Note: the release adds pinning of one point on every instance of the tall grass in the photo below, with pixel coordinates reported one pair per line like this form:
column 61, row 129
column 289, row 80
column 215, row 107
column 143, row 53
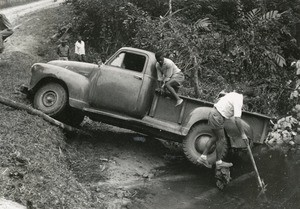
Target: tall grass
column 11, row 3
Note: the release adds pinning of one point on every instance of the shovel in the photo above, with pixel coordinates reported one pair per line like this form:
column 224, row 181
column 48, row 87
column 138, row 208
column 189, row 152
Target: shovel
column 260, row 181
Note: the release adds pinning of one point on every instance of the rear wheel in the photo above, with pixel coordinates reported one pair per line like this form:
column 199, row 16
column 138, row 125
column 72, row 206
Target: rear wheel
column 51, row 99
column 195, row 143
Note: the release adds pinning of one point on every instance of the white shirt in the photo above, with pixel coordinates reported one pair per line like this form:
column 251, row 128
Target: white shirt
column 79, row 48
column 230, row 105
column 167, row 70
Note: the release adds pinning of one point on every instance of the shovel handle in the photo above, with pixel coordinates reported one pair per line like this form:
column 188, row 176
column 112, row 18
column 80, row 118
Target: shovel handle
column 261, row 184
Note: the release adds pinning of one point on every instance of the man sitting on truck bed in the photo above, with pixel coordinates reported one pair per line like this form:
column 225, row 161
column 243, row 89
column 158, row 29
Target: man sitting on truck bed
column 228, row 106
column 169, row 75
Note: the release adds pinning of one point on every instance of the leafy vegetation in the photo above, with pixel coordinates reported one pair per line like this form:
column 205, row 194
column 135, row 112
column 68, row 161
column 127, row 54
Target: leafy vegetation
column 219, row 44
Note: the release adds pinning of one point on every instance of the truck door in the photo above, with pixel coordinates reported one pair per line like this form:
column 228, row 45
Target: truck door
column 119, row 83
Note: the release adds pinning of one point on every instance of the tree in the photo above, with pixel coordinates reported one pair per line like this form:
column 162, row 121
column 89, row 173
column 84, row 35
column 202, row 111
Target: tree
column 219, row 44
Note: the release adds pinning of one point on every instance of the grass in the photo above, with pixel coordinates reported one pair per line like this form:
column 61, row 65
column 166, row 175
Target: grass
column 34, row 167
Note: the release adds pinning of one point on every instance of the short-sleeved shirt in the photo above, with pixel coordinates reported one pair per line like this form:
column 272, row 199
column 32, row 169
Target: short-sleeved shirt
column 63, row 51
column 167, row 70
column 79, row 47
column 230, row 105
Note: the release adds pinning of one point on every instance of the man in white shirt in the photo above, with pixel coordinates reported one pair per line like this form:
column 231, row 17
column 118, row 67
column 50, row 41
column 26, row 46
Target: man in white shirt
column 228, row 106
column 169, row 75
column 80, row 49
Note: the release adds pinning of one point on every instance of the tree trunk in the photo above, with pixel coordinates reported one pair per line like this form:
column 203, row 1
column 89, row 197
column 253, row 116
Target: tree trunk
column 170, row 7
column 196, row 79
column 33, row 111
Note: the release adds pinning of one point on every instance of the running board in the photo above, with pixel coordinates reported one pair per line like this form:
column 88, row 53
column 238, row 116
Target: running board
column 147, row 121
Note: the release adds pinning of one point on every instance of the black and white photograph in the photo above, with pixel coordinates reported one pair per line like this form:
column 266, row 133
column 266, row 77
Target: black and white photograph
column 150, row 104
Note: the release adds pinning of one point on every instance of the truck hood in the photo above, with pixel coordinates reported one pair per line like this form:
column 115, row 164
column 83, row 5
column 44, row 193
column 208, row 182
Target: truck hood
column 82, row 68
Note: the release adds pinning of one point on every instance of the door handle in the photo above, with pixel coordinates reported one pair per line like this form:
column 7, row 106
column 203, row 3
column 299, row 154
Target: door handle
column 138, row 77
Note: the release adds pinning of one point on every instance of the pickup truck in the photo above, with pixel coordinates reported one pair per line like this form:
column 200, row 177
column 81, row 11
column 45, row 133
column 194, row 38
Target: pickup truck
column 122, row 92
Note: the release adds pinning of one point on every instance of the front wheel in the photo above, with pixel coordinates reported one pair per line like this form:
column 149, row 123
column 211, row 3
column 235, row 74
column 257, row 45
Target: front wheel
column 195, row 143
column 51, row 99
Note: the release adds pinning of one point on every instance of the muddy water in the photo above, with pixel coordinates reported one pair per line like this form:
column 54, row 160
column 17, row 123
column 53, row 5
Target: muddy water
column 181, row 185
column 280, row 172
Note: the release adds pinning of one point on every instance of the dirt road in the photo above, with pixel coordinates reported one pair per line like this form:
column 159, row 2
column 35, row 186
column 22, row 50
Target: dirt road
column 14, row 13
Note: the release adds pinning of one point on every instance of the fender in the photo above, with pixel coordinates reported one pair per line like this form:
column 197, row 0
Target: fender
column 197, row 115
column 77, row 84
column 231, row 130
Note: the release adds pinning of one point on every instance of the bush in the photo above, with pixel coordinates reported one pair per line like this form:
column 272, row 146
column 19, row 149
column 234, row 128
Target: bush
column 216, row 48
column 107, row 25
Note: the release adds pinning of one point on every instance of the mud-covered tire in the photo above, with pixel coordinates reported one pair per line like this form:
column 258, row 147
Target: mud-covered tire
column 51, row 99
column 194, row 144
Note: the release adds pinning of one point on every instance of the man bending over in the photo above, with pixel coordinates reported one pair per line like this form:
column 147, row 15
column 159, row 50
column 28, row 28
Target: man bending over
column 228, row 106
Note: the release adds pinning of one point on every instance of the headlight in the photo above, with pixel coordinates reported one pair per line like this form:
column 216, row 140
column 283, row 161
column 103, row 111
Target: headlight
column 35, row 68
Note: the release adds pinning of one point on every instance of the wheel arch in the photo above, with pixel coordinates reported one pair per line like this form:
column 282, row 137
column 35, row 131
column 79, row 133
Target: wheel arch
column 76, row 85
column 194, row 143
column 205, row 121
column 46, row 80
column 197, row 116
column 233, row 136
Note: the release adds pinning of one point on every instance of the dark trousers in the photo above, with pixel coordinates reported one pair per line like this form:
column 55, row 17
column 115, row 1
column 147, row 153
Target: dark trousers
column 80, row 57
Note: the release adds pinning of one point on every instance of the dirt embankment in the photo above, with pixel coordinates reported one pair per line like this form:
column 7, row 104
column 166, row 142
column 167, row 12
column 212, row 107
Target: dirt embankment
column 42, row 167
column 14, row 13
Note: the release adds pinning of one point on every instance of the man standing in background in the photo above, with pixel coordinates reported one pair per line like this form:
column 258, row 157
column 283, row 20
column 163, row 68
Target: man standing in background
column 63, row 51
column 80, row 49
column 6, row 30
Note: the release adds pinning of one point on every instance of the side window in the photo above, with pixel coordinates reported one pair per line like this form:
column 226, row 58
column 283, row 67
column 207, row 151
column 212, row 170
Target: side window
column 130, row 61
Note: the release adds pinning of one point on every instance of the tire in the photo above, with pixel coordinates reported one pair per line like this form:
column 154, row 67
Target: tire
column 194, row 144
column 51, row 99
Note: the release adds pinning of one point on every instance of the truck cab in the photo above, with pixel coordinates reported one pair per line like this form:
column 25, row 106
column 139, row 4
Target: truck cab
column 125, row 84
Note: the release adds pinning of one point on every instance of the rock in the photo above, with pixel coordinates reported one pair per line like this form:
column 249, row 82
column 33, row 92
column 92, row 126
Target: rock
column 286, row 136
column 139, row 139
column 222, row 177
column 292, row 143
